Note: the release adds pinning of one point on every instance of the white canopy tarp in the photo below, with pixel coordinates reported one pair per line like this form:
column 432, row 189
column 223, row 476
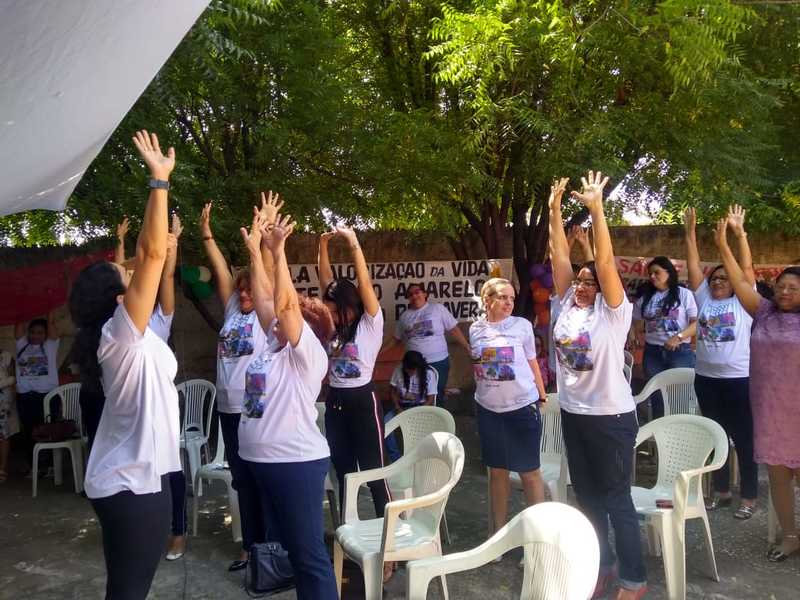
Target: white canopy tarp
column 69, row 72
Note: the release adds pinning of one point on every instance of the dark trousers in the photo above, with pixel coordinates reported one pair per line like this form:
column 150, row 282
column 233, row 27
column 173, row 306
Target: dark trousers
column 600, row 456
column 657, row 359
column 354, row 428
column 727, row 401
column 443, row 371
column 254, row 527
column 30, row 408
column 291, row 497
column 135, row 530
column 177, row 486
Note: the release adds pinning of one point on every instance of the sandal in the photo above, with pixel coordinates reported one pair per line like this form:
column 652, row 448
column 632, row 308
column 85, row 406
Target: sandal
column 777, row 554
column 719, row 502
column 744, row 512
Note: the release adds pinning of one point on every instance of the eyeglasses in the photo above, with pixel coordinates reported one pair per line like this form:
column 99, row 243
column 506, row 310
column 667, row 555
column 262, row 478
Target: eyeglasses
column 718, row 278
column 587, row 283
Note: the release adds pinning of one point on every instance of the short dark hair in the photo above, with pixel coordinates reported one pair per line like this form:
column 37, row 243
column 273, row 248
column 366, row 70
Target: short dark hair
column 413, row 285
column 38, row 323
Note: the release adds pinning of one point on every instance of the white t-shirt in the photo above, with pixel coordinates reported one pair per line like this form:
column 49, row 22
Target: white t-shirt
column 423, row 330
column 137, row 438
column 279, row 417
column 723, row 336
column 659, row 327
column 504, row 379
column 351, row 365
column 590, row 346
column 37, row 367
column 412, row 396
column 160, row 323
column 241, row 339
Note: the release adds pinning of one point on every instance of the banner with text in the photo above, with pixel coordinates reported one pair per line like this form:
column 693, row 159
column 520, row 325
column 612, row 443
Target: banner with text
column 456, row 283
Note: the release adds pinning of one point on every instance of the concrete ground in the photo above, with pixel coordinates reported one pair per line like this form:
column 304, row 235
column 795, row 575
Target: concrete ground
column 50, row 549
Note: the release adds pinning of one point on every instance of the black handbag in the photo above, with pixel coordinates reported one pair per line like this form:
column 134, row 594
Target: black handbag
column 268, row 570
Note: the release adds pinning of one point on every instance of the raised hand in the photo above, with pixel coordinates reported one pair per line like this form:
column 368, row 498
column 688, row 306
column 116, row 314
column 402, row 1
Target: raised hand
column 690, row 220
column 270, row 206
column 582, row 235
column 122, row 229
column 591, row 196
column 160, row 165
column 346, row 233
column 721, row 233
column 177, row 226
column 205, row 220
column 736, row 219
column 172, row 242
column 556, row 192
column 326, row 237
column 275, row 234
column 252, row 239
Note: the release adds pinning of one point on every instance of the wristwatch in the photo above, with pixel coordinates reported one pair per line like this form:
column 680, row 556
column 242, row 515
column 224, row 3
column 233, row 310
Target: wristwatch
column 159, row 184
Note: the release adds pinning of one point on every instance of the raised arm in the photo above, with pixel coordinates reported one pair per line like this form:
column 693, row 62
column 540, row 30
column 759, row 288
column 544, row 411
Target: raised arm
column 559, row 248
column 166, row 289
column 52, row 328
column 692, row 254
column 270, row 207
column 743, row 289
column 263, row 303
column 119, row 251
column 151, row 247
column 582, row 237
column 19, row 330
column 219, row 268
column 324, row 262
column 592, row 198
column 365, row 289
column 736, row 223
column 287, row 305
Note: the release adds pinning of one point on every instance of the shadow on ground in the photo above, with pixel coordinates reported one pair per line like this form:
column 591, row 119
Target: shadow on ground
column 50, row 549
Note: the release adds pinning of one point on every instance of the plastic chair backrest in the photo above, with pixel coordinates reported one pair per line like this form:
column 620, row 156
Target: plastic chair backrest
column 195, row 392
column 219, row 457
column 320, row 416
column 69, row 394
column 561, row 555
column 418, row 422
column 437, row 462
column 677, row 390
column 684, row 442
column 552, row 439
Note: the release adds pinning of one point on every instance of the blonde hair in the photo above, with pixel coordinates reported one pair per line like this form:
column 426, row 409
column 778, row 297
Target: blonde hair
column 491, row 287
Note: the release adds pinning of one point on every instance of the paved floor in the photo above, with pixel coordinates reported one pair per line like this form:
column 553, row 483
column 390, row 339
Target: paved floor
column 50, row 550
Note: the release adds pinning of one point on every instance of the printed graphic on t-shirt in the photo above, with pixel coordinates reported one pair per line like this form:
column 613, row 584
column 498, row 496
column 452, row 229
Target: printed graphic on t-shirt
column 496, row 364
column 33, row 365
column 238, row 340
column 421, row 329
column 254, row 400
column 655, row 320
column 344, row 362
column 719, row 327
column 575, row 352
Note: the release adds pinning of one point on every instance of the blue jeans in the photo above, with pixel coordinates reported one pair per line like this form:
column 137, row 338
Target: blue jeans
column 657, row 359
column 443, row 370
column 291, row 498
column 600, row 457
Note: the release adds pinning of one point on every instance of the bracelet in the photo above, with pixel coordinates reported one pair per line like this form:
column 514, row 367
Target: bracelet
column 208, row 237
column 158, row 184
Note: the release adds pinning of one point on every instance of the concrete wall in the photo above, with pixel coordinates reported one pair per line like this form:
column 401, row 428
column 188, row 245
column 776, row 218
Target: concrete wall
column 195, row 342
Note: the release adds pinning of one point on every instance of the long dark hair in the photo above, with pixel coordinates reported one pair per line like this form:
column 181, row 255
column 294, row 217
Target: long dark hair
column 673, row 298
column 414, row 361
column 92, row 302
column 345, row 296
column 593, row 269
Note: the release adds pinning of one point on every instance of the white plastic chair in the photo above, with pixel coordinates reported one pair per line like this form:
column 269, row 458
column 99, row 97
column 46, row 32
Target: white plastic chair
column 627, row 369
column 69, row 394
column 561, row 560
column 437, row 463
column 218, row 470
column 196, row 426
column 677, row 390
column 416, row 424
column 553, row 458
column 684, row 443
column 330, row 491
